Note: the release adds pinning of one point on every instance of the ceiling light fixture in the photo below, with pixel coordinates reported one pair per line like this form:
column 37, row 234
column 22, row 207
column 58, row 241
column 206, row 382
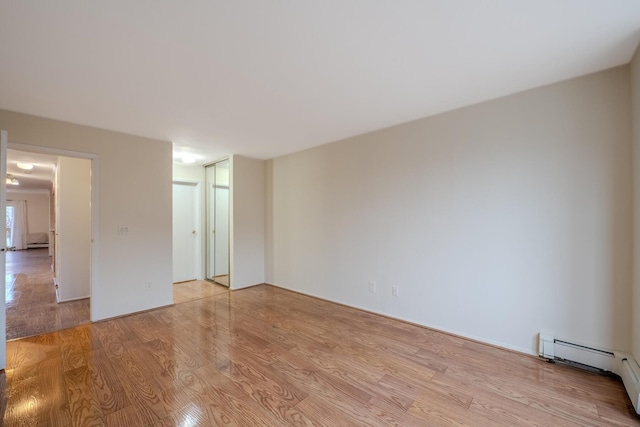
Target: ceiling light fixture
column 10, row 180
column 25, row 166
column 188, row 158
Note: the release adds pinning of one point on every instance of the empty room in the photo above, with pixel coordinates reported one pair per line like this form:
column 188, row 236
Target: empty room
column 336, row 213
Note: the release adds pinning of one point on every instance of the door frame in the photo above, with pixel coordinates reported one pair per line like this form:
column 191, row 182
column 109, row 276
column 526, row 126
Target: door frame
column 95, row 209
column 3, row 257
column 198, row 220
column 207, row 217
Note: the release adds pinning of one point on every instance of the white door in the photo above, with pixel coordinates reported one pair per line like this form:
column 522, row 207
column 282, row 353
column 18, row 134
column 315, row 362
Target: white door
column 186, row 238
column 217, row 178
column 221, row 261
column 3, row 250
column 211, row 224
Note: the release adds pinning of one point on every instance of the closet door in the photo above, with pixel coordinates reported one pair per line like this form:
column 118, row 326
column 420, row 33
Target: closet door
column 221, row 270
column 217, row 178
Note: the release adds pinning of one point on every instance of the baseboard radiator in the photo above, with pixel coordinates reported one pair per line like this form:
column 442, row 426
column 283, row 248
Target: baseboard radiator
column 622, row 364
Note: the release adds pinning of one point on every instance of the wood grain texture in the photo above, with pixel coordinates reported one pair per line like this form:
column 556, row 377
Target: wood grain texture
column 264, row 356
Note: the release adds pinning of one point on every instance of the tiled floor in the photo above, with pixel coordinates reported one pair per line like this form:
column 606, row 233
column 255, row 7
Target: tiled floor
column 31, row 299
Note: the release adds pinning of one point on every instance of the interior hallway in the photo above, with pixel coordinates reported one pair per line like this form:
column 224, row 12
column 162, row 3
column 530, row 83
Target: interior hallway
column 31, row 298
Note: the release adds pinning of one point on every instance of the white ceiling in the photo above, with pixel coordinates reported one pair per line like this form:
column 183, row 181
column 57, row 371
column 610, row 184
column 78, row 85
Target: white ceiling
column 266, row 78
column 40, row 177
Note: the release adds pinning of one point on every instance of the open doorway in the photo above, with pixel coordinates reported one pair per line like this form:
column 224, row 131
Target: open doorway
column 38, row 298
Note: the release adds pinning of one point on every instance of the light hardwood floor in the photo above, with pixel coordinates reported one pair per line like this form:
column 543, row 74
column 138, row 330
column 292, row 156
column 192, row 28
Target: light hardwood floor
column 195, row 289
column 266, row 356
column 31, row 297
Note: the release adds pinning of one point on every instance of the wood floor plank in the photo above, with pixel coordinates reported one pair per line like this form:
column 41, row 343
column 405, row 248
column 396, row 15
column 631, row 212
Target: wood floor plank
column 125, row 417
column 4, row 395
column 75, row 345
column 316, row 383
column 228, row 404
column 491, row 396
column 142, row 391
column 27, row 353
column 617, row 415
column 396, row 392
column 195, row 289
column 271, row 333
column 515, row 414
column 577, row 410
column 54, row 407
column 83, row 402
column 266, row 356
column 146, row 326
column 344, row 368
column 437, row 408
column 105, row 383
column 172, row 358
column 171, row 317
column 23, row 401
column 268, row 391
column 184, row 408
column 112, row 333
column 335, row 413
column 209, row 346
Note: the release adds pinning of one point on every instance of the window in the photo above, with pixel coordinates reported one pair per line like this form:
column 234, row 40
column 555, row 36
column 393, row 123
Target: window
column 9, row 226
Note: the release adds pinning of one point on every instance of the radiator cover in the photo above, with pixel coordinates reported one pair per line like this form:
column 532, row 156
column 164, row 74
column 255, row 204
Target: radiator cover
column 619, row 363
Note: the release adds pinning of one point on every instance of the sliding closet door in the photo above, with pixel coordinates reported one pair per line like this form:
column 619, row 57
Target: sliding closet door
column 217, row 176
column 222, row 222
column 210, row 172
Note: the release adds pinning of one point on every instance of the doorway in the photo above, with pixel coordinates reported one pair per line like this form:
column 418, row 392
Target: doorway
column 217, row 218
column 42, row 289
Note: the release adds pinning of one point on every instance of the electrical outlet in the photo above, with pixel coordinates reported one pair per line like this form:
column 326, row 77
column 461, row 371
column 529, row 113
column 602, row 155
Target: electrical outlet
column 148, row 286
column 372, row 287
column 395, row 291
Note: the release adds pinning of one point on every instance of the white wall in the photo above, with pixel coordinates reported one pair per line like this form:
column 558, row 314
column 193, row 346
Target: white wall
column 635, row 123
column 247, row 222
column 73, row 228
column 38, row 208
column 191, row 173
column 497, row 221
column 133, row 176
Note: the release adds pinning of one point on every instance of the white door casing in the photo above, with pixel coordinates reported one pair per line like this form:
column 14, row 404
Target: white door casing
column 186, row 231
column 3, row 253
column 217, row 214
